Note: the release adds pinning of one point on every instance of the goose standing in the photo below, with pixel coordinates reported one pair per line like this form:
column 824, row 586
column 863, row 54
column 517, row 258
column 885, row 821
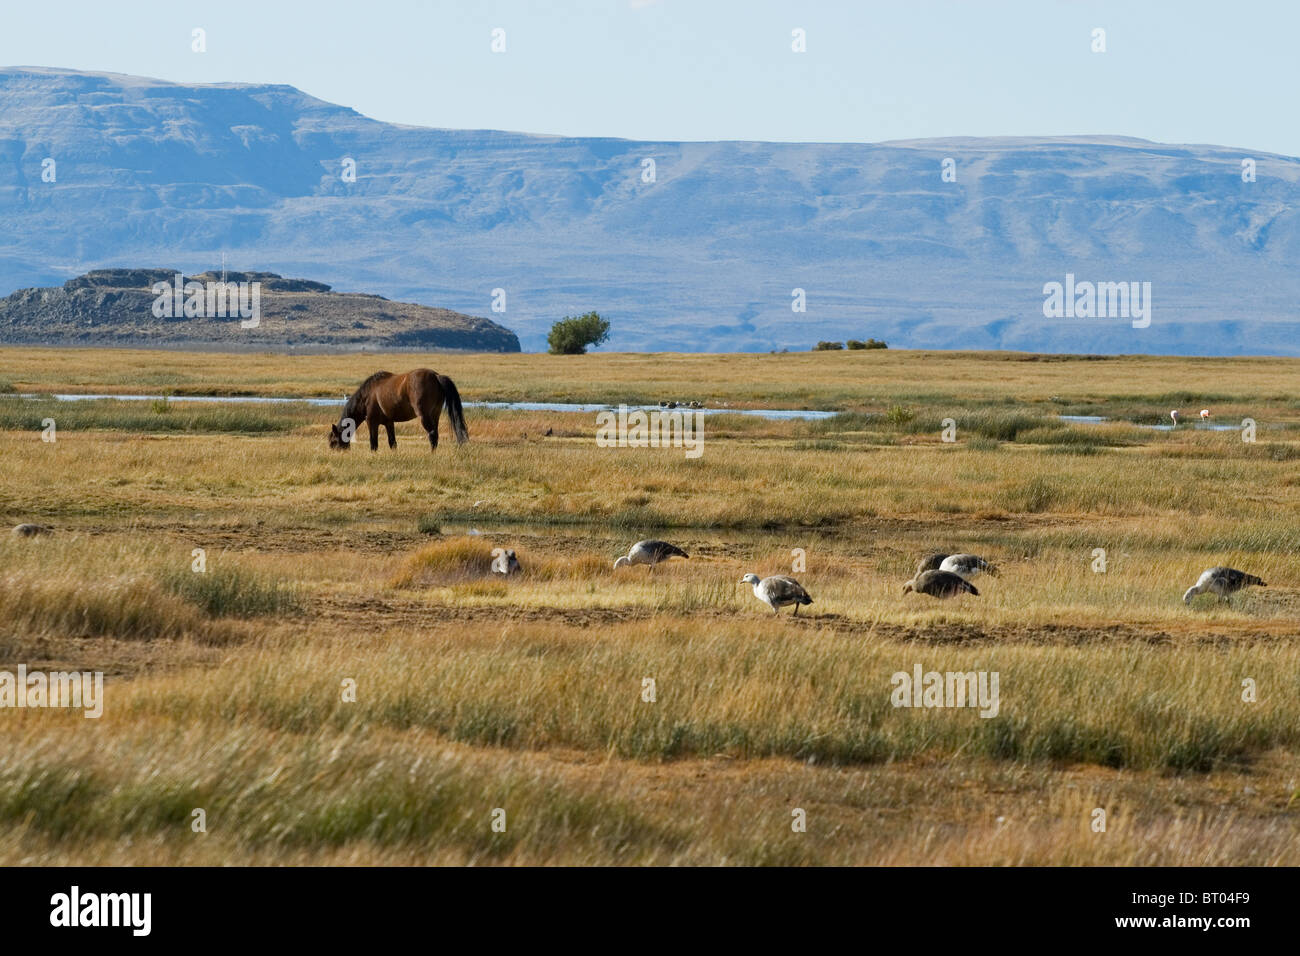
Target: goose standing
column 940, row 584
column 650, row 552
column 1221, row 581
column 967, row 566
column 504, row 561
column 778, row 591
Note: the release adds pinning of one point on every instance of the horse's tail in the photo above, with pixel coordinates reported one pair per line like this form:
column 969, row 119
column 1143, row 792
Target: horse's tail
column 455, row 411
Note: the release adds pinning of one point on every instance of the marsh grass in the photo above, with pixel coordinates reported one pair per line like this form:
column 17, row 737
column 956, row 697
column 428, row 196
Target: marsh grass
column 82, row 587
column 1132, row 706
column 475, row 692
column 232, row 591
column 160, row 415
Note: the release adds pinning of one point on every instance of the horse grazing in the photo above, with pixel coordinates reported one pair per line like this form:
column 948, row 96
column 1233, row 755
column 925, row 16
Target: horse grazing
column 385, row 398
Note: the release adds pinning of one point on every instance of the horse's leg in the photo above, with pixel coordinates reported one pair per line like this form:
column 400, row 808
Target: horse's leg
column 392, row 436
column 429, row 422
column 373, row 426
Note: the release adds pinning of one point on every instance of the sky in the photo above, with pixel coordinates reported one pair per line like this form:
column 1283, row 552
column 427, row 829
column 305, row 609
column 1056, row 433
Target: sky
column 1178, row 71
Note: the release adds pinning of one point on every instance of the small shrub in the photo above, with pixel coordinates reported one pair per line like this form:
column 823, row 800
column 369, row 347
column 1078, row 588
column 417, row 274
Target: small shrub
column 573, row 335
column 898, row 415
column 828, row 346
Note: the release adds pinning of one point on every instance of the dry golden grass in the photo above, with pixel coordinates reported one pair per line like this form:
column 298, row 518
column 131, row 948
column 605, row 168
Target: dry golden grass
column 475, row 692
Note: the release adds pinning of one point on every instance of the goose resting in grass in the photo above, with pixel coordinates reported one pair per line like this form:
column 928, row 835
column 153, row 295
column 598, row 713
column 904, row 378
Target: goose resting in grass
column 31, row 530
column 931, row 562
column 650, row 552
column 967, row 565
column 1221, row 581
column 778, row 591
column 504, row 561
column 940, row 584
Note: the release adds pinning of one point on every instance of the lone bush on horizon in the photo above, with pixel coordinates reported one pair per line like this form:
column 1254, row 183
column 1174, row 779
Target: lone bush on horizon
column 573, row 335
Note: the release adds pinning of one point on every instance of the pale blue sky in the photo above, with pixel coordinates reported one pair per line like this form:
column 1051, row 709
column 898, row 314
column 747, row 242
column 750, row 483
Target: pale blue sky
column 1188, row 72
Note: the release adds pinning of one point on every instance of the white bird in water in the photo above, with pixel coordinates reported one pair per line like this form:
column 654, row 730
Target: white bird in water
column 967, row 565
column 1205, row 414
column 1221, row 581
column 650, row 552
column 1174, row 416
column 504, row 561
column 940, row 584
column 778, row 591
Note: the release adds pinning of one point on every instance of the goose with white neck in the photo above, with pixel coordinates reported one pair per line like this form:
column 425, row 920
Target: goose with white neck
column 777, row 591
column 650, row 552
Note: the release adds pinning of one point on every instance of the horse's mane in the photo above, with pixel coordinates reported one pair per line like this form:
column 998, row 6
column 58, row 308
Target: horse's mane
column 353, row 405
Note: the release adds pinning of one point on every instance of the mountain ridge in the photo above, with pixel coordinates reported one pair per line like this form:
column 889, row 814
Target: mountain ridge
column 705, row 258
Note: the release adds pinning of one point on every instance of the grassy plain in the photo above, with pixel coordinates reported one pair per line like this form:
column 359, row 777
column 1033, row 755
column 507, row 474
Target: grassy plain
column 224, row 689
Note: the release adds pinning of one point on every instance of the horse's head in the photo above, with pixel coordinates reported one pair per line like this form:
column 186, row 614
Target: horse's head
column 336, row 439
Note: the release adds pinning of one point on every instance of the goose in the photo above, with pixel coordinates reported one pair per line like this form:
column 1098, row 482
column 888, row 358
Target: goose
column 967, row 565
column 31, row 530
column 1174, row 416
column 778, row 591
column 931, row 562
column 504, row 561
column 1221, row 581
column 940, row 584
column 650, row 552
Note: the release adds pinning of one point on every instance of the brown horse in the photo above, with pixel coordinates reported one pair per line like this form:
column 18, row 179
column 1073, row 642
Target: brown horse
column 385, row 398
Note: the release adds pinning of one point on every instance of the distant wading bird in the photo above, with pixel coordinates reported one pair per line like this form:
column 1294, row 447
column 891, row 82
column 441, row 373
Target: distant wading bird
column 385, row 398
column 1221, row 581
column 967, row 565
column 1174, row 416
column 778, row 591
column 940, row 584
column 650, row 552
column 1205, row 414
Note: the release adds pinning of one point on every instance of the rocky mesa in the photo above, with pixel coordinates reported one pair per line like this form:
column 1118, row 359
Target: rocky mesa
column 159, row 307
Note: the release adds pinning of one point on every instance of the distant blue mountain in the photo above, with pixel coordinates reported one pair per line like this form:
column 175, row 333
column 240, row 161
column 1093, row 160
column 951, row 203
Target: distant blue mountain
column 704, row 258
